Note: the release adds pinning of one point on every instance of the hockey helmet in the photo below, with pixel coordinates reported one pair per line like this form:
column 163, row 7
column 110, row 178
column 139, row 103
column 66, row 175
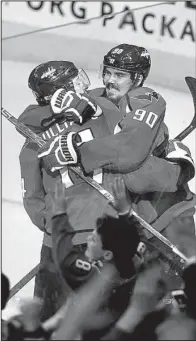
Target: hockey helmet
column 130, row 58
column 47, row 77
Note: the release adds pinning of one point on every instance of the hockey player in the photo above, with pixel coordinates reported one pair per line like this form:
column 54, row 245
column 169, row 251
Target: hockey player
column 44, row 80
column 136, row 127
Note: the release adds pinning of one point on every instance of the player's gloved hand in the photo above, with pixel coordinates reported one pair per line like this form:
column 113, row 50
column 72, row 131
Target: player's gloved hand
column 62, row 151
column 180, row 154
column 177, row 151
column 75, row 107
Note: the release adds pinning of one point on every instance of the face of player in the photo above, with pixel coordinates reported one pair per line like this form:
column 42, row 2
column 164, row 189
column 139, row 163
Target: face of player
column 117, row 83
column 94, row 250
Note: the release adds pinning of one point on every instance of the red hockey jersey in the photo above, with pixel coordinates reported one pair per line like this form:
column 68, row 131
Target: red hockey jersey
column 134, row 131
column 118, row 140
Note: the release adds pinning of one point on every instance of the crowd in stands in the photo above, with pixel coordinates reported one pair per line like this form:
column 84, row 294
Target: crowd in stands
column 148, row 316
column 152, row 312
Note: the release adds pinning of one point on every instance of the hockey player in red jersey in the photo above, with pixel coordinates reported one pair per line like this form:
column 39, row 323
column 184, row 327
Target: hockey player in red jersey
column 137, row 132
column 44, row 80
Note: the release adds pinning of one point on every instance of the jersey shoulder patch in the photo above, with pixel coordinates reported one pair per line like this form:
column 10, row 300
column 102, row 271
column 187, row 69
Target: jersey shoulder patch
column 143, row 96
column 33, row 115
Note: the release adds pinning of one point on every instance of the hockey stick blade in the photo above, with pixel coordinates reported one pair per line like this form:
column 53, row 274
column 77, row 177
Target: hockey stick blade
column 191, row 82
column 35, row 138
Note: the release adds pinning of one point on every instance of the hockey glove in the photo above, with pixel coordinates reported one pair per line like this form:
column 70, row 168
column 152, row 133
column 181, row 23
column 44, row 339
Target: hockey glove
column 61, row 152
column 180, row 154
column 76, row 107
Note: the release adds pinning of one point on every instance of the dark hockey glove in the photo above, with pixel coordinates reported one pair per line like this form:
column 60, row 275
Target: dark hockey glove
column 61, row 152
column 180, row 154
column 75, row 107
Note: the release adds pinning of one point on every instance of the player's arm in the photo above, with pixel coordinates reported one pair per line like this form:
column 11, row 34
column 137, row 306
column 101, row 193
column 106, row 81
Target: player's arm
column 69, row 259
column 122, row 152
column 155, row 175
column 130, row 147
column 160, row 174
column 32, row 185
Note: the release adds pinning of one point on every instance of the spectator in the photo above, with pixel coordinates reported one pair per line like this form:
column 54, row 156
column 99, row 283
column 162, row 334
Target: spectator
column 26, row 324
column 189, row 277
column 114, row 241
column 87, row 301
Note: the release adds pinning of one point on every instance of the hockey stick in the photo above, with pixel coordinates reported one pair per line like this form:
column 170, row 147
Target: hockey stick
column 191, row 82
column 35, row 138
column 27, row 278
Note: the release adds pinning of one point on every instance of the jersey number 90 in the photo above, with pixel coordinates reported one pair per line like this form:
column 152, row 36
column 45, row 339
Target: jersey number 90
column 149, row 118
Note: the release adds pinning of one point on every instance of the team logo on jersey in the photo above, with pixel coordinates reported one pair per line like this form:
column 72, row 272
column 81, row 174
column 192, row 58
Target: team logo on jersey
column 148, row 96
column 155, row 95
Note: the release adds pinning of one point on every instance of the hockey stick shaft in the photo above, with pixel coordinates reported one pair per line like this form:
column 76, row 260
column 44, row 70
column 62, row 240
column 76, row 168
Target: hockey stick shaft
column 35, row 138
column 26, row 279
column 30, row 275
column 191, row 83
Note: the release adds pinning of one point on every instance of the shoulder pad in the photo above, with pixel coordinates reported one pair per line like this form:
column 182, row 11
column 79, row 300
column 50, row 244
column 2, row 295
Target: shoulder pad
column 144, row 96
column 33, row 115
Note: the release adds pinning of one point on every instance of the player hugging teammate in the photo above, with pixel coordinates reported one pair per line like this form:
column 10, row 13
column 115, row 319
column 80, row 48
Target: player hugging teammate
column 116, row 129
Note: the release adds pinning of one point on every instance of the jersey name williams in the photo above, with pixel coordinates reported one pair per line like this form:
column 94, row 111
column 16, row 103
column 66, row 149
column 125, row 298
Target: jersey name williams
column 55, row 130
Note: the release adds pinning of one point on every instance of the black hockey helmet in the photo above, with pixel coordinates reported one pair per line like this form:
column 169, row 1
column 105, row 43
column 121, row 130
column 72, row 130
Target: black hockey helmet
column 47, row 77
column 129, row 58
